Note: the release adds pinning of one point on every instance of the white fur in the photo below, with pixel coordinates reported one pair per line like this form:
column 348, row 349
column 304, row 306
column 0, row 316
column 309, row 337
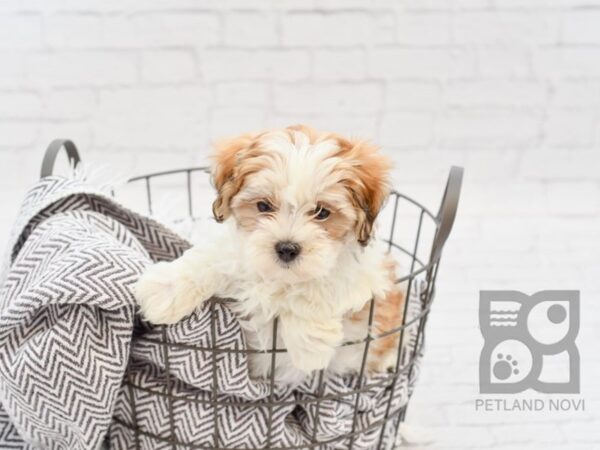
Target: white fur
column 312, row 297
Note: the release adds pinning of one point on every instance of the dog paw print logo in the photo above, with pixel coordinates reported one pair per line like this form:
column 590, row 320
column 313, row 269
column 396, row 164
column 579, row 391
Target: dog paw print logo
column 529, row 342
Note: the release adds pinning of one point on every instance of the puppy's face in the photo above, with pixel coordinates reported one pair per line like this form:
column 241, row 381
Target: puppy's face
column 299, row 197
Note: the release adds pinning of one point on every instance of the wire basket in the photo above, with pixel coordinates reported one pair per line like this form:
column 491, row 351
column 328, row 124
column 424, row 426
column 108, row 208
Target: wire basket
column 416, row 238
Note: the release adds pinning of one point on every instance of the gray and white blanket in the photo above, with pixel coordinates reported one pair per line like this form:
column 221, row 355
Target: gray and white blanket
column 76, row 371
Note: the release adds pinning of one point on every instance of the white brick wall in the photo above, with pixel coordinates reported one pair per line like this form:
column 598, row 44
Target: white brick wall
column 510, row 89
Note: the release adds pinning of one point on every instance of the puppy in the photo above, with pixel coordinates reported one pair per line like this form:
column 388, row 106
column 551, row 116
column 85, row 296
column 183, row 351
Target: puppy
column 298, row 209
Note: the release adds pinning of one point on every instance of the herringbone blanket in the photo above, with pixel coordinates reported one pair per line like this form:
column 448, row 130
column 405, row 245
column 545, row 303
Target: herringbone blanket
column 75, row 370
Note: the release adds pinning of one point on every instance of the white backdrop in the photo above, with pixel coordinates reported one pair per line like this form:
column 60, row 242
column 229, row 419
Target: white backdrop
column 509, row 89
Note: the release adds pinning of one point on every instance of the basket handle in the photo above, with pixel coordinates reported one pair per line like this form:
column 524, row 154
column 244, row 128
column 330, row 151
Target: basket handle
column 447, row 211
column 52, row 153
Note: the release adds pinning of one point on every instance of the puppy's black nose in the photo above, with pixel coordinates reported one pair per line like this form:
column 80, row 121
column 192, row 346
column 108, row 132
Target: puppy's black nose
column 287, row 251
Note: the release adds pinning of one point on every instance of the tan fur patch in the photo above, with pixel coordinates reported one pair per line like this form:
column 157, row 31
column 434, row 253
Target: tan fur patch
column 367, row 181
column 234, row 160
column 337, row 226
column 387, row 316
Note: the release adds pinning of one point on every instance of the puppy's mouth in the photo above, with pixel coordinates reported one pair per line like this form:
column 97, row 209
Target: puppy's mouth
column 286, row 265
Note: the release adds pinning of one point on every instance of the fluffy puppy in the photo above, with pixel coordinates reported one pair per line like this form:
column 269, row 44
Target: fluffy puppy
column 298, row 209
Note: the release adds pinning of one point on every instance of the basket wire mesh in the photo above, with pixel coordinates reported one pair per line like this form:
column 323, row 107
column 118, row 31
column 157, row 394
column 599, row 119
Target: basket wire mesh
column 422, row 259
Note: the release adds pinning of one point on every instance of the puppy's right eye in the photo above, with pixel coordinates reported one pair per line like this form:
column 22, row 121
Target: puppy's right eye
column 263, row 206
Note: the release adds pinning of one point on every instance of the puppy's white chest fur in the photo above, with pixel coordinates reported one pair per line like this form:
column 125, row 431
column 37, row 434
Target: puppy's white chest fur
column 313, row 316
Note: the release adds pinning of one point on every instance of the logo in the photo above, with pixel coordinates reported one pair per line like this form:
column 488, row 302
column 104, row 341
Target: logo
column 529, row 342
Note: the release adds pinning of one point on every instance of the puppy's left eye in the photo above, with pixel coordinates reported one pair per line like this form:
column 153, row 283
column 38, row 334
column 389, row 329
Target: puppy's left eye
column 263, row 206
column 322, row 213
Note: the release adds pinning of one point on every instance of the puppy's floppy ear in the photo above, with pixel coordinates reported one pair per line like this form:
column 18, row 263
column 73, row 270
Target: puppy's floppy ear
column 227, row 173
column 368, row 183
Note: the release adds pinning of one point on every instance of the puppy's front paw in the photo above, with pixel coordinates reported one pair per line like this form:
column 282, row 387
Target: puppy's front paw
column 166, row 294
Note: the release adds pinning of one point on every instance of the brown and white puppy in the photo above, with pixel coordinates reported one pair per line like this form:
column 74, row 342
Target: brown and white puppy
column 298, row 209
